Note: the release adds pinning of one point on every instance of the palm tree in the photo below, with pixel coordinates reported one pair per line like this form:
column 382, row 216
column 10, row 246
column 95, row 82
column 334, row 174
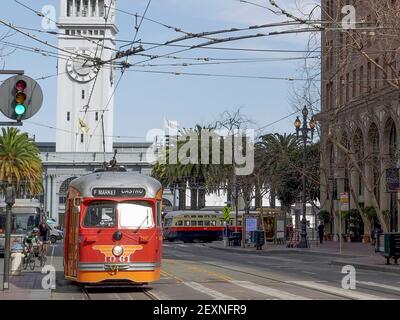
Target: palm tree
column 280, row 153
column 20, row 164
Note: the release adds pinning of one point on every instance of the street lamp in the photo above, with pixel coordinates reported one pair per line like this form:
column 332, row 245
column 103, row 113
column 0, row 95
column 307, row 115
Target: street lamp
column 304, row 130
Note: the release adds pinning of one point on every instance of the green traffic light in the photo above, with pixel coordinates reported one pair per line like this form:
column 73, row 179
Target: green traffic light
column 20, row 109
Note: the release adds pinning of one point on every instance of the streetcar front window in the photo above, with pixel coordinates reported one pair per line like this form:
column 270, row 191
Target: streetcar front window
column 100, row 214
column 135, row 215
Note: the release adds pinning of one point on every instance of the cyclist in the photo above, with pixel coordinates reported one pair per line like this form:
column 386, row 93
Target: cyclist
column 44, row 231
column 32, row 240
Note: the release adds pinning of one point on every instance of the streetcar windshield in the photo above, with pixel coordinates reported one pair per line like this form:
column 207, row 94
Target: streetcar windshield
column 100, row 214
column 135, row 215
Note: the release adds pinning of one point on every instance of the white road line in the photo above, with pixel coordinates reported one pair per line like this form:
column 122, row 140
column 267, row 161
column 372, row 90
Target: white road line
column 215, row 294
column 373, row 284
column 52, row 255
column 338, row 291
column 268, row 291
column 308, row 272
column 158, row 295
column 182, row 245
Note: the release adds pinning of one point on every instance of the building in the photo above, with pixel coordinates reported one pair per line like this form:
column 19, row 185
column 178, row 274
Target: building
column 360, row 118
column 85, row 97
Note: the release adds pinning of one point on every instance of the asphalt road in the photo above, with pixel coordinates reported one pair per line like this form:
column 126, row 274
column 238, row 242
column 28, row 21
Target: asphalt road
column 196, row 271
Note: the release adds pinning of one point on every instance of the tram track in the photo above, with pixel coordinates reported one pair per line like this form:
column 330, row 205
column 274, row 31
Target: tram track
column 99, row 292
column 297, row 285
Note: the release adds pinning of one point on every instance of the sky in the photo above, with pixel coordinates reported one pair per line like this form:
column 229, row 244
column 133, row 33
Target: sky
column 144, row 100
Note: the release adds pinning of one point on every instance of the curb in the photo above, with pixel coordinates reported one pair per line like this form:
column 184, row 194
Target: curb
column 286, row 251
column 381, row 268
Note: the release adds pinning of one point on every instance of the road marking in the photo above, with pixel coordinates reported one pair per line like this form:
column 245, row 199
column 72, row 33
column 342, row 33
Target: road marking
column 268, row 291
column 52, row 255
column 163, row 272
column 182, row 245
column 158, row 295
column 215, row 294
column 373, row 284
column 308, row 272
column 338, row 291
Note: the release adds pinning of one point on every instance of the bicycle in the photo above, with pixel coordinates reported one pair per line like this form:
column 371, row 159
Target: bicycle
column 42, row 255
column 29, row 258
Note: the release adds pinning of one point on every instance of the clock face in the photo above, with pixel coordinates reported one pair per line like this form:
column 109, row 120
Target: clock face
column 81, row 67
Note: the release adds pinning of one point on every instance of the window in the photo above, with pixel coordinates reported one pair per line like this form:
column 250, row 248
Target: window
column 159, row 214
column 72, row 32
column 200, row 223
column 90, row 32
column 369, row 71
column 362, row 80
column 68, row 116
column 168, row 222
column 207, row 223
column 85, row 9
column 67, row 32
column 96, row 32
column 83, row 94
column 100, row 214
column 79, row 32
column 354, row 93
column 135, row 215
column 377, row 74
column 186, row 223
column 93, row 8
column 347, row 87
column 102, row 32
column 213, row 223
column 101, row 8
column 179, row 223
column 81, row 137
column 193, row 223
column 97, row 116
column 69, row 8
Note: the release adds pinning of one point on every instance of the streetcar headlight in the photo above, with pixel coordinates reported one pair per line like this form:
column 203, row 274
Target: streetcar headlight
column 117, row 251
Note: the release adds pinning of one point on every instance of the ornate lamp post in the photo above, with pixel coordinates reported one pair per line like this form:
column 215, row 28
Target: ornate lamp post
column 304, row 130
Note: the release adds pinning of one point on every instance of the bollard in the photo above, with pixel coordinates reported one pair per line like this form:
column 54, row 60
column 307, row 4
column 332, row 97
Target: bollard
column 16, row 263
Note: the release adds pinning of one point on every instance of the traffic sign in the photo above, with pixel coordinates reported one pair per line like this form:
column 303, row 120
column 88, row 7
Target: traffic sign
column 21, row 97
column 344, row 201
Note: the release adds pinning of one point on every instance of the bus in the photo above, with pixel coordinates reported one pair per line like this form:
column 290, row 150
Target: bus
column 25, row 215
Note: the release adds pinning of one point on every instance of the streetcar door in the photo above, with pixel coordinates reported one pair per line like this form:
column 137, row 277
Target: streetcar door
column 72, row 243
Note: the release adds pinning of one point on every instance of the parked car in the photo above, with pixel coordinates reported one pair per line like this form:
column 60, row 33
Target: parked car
column 55, row 234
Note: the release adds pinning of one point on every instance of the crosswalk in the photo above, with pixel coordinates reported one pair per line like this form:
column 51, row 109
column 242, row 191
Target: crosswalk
column 289, row 290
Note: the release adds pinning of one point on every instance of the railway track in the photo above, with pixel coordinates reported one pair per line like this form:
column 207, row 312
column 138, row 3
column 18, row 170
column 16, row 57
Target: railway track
column 120, row 292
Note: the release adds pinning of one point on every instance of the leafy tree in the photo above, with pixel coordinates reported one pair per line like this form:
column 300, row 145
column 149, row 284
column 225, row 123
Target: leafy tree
column 20, row 164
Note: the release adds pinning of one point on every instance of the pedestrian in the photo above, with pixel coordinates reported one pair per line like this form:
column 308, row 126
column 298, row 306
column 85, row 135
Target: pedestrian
column 321, row 228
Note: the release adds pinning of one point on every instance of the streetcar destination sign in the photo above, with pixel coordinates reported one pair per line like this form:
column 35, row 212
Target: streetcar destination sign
column 119, row 192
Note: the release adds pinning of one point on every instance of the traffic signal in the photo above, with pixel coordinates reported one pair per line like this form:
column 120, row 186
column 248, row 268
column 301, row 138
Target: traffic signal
column 20, row 99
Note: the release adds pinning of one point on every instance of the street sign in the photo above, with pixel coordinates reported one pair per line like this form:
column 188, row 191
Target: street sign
column 344, row 201
column 21, row 97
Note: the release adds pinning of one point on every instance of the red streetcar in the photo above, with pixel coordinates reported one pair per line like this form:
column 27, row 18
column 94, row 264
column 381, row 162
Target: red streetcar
column 113, row 228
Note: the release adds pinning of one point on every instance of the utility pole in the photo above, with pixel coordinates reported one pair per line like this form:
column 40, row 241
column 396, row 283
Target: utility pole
column 10, row 200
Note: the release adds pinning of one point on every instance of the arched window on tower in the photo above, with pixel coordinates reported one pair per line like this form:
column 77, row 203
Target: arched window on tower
column 101, row 8
column 70, row 8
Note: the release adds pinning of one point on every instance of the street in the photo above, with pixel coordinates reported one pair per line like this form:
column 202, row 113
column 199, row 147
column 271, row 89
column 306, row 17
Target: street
column 196, row 271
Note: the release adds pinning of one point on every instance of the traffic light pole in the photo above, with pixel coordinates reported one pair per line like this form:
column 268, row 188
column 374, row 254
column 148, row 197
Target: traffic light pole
column 6, row 274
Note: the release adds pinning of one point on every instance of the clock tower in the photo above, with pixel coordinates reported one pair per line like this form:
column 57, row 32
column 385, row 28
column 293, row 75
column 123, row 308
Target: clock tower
column 85, row 88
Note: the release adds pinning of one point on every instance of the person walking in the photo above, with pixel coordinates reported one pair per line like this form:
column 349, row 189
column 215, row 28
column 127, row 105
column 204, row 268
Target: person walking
column 321, row 228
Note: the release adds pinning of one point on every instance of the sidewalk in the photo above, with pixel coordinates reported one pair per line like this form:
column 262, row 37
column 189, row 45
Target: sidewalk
column 359, row 255
column 27, row 286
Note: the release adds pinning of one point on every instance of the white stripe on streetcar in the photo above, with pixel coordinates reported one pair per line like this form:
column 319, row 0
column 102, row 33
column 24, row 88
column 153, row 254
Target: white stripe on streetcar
column 337, row 291
column 268, row 291
column 215, row 294
column 373, row 284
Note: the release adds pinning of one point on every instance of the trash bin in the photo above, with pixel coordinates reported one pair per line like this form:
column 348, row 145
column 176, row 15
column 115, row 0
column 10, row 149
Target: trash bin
column 259, row 239
column 388, row 244
column 16, row 259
